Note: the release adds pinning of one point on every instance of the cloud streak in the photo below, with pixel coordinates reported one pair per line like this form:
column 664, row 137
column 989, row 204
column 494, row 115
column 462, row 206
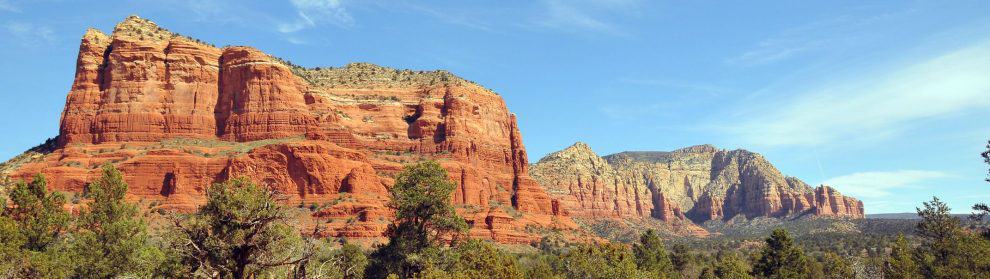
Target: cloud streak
column 29, row 34
column 5, row 5
column 576, row 16
column 830, row 34
column 562, row 15
column 676, row 85
column 311, row 13
column 451, row 17
column 881, row 184
column 876, row 106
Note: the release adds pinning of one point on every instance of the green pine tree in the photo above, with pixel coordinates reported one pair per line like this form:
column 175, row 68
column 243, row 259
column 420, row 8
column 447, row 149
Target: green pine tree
column 986, row 159
column 682, row 259
column 346, row 262
column 982, row 210
column 11, row 253
column 835, row 267
column 32, row 231
column 241, row 232
column 780, row 258
column 707, row 273
column 477, row 259
column 424, row 218
column 900, row 264
column 38, row 213
column 730, row 266
column 946, row 250
column 651, row 255
column 113, row 240
column 598, row 261
column 353, row 261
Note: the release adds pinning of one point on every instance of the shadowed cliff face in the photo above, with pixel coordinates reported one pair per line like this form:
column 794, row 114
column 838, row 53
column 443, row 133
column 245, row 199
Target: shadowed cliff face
column 176, row 115
column 700, row 183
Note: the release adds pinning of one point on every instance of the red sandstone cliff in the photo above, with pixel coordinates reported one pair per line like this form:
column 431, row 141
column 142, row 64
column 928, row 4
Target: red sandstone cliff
column 175, row 115
column 700, row 183
column 591, row 190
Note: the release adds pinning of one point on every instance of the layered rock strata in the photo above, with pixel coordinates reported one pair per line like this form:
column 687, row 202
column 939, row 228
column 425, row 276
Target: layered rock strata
column 176, row 115
column 588, row 187
column 700, row 183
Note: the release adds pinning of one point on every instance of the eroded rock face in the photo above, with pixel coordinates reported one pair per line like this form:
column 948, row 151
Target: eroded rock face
column 727, row 183
column 176, row 115
column 700, row 183
column 588, row 187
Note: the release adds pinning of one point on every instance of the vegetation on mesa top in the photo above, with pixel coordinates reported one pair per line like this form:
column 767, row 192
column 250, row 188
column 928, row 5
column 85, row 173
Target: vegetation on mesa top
column 368, row 75
column 350, row 75
column 138, row 28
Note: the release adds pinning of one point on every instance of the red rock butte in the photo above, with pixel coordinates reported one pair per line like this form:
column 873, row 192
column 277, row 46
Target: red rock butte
column 176, row 115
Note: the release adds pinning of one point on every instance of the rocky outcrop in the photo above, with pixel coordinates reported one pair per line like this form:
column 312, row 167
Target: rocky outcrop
column 588, row 187
column 727, row 183
column 700, row 183
column 176, row 115
column 829, row 202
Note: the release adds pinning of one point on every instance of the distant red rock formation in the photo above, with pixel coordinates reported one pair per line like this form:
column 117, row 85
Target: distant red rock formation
column 176, row 115
column 587, row 186
column 700, row 183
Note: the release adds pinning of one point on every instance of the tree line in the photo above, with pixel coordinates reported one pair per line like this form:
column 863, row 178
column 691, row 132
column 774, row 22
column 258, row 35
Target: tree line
column 243, row 231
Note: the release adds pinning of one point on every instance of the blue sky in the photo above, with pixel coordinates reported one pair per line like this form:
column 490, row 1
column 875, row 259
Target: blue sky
column 889, row 101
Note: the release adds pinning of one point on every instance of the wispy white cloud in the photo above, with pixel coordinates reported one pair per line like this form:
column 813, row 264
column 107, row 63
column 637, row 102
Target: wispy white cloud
column 215, row 12
column 679, row 86
column 29, row 34
column 563, row 15
column 776, row 49
column 296, row 40
column 882, row 183
column 875, row 105
column 833, row 33
column 578, row 16
column 452, row 17
column 310, row 13
column 5, row 5
column 626, row 113
column 212, row 10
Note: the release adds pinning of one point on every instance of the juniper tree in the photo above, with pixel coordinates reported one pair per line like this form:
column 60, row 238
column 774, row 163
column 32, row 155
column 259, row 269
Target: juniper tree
column 424, row 218
column 240, row 232
column 32, row 230
column 598, row 261
column 651, row 255
column 682, row 259
column 900, row 264
column 475, row 259
column 707, row 273
column 986, row 159
column 346, row 262
column 112, row 240
column 982, row 210
column 38, row 214
column 730, row 266
column 835, row 267
column 780, row 258
column 946, row 250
